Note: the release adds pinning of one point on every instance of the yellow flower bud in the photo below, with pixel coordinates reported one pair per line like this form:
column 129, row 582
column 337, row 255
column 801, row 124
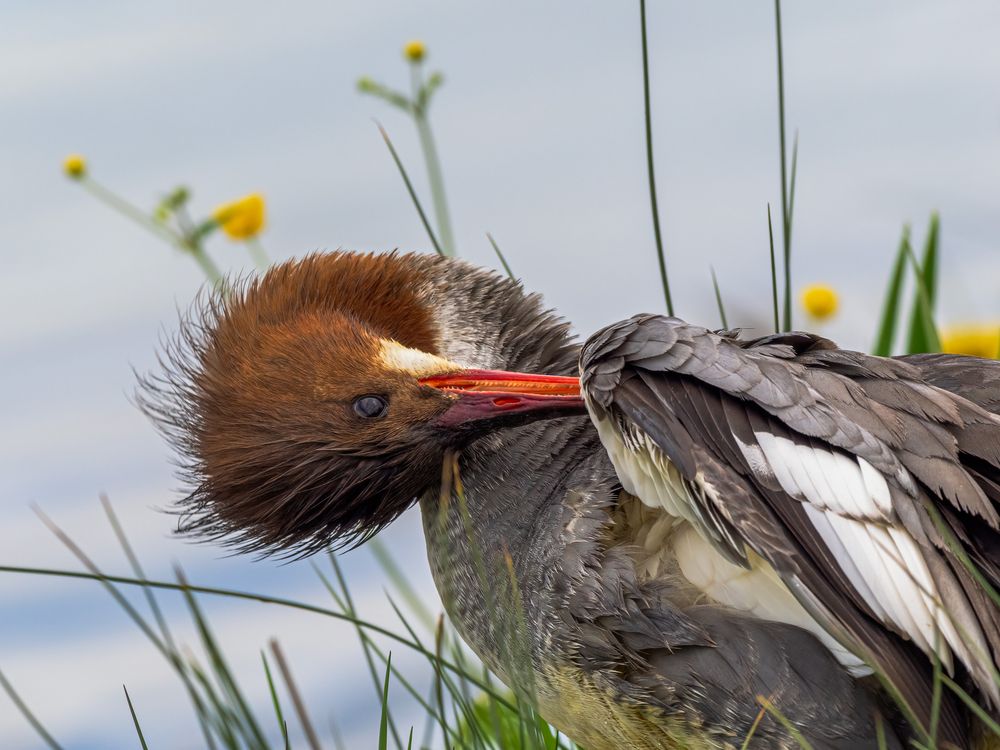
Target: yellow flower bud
column 414, row 51
column 243, row 218
column 75, row 166
column 975, row 339
column 820, row 301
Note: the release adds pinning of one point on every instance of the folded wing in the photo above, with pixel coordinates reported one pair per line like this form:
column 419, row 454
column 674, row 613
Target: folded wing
column 868, row 483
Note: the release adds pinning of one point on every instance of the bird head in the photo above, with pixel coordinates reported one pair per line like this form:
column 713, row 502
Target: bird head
column 312, row 405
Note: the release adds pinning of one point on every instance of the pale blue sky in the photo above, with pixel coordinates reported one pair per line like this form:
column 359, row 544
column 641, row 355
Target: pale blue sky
column 540, row 129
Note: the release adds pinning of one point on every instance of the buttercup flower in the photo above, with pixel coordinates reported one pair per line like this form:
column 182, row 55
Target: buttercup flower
column 819, row 300
column 75, row 166
column 243, row 218
column 976, row 339
column 414, row 51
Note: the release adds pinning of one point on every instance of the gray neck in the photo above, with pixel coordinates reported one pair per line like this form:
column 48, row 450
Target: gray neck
column 486, row 320
column 515, row 482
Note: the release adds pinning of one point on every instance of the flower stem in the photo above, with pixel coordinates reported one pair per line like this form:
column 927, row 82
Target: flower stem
column 136, row 214
column 27, row 714
column 258, row 254
column 433, row 162
column 206, row 264
column 122, row 206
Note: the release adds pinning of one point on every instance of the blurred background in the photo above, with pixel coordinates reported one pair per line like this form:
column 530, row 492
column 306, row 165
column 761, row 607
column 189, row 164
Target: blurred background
column 539, row 125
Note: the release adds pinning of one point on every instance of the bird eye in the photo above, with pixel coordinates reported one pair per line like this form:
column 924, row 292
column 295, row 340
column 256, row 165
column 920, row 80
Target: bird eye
column 370, row 407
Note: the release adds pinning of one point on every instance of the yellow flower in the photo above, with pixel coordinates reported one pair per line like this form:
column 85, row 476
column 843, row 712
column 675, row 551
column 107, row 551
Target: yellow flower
column 243, row 218
column 414, row 51
column 820, row 301
column 976, row 339
column 75, row 166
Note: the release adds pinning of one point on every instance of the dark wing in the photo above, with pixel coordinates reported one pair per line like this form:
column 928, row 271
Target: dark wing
column 975, row 379
column 854, row 476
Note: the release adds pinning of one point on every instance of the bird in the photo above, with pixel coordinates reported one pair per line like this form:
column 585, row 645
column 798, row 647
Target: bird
column 312, row 405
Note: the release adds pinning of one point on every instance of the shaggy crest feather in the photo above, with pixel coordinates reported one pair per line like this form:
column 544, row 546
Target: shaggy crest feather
column 254, row 394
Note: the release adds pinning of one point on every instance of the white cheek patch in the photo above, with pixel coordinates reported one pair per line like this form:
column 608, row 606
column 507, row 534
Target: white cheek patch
column 395, row 356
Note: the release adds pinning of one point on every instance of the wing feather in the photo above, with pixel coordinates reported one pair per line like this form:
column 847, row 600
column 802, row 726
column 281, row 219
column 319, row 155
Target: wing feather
column 825, row 463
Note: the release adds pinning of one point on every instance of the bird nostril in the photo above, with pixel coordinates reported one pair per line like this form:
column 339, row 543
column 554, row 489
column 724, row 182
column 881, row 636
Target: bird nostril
column 505, row 401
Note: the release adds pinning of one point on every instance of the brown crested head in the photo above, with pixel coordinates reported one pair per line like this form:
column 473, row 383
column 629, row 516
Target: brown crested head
column 310, row 406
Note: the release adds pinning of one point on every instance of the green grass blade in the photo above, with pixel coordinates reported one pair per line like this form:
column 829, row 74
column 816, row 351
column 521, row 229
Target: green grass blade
column 438, row 672
column 370, row 644
column 785, row 722
column 400, row 582
column 137, row 569
column 922, row 307
column 39, row 728
column 247, row 722
column 410, row 190
column 135, row 720
column 169, row 646
column 503, row 260
column 493, row 710
column 890, row 308
column 224, row 720
column 880, row 738
column 959, row 551
column 383, row 729
column 435, row 710
column 428, row 706
column 786, row 217
column 774, row 271
column 791, row 186
column 347, row 604
column 718, row 299
column 649, row 163
column 265, row 599
column 969, row 701
column 336, row 736
column 282, row 724
column 936, row 689
column 753, row 728
column 918, row 340
column 404, row 621
column 930, row 259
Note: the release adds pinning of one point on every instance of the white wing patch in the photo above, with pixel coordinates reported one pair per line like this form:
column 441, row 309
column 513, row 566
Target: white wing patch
column 758, row 591
column 829, row 480
column 849, row 503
